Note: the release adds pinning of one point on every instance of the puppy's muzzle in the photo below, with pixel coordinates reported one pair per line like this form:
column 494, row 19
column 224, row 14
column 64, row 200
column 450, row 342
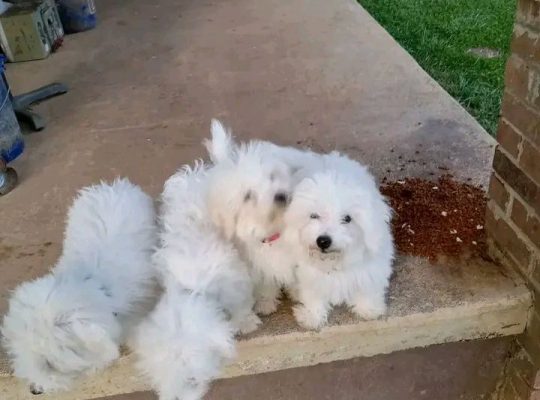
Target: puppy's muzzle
column 324, row 242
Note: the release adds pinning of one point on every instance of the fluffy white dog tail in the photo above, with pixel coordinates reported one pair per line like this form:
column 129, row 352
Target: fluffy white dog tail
column 183, row 344
column 221, row 146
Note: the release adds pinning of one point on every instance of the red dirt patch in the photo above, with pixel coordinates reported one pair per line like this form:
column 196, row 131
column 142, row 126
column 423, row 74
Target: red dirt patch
column 432, row 219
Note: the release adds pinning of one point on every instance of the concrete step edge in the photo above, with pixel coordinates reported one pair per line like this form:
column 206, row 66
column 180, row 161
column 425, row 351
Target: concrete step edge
column 483, row 319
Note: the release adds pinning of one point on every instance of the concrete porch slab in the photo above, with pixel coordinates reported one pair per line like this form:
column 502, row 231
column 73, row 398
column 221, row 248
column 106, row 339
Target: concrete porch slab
column 429, row 304
column 145, row 83
column 143, row 87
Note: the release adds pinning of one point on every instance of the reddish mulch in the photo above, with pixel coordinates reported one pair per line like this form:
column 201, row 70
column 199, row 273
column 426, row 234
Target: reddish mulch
column 433, row 219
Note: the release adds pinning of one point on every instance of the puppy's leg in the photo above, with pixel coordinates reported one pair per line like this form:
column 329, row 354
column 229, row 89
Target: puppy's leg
column 267, row 293
column 370, row 304
column 313, row 312
column 293, row 293
column 245, row 320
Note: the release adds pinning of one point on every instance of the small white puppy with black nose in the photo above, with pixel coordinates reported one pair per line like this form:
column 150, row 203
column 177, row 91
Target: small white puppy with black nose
column 337, row 227
column 73, row 320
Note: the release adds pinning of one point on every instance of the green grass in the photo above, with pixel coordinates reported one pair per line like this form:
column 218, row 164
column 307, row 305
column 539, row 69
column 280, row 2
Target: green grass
column 438, row 33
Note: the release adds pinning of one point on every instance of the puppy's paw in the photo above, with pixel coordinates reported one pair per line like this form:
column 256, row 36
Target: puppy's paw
column 308, row 318
column 266, row 306
column 368, row 309
column 248, row 324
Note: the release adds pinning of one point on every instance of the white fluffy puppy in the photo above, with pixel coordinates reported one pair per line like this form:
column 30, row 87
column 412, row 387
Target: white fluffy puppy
column 338, row 228
column 208, row 296
column 249, row 191
column 73, row 320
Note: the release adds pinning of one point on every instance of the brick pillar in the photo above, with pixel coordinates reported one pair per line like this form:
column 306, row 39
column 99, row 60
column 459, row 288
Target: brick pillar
column 512, row 219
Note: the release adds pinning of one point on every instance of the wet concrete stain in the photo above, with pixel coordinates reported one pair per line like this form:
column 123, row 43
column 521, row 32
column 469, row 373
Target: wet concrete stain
column 5, row 251
column 20, row 251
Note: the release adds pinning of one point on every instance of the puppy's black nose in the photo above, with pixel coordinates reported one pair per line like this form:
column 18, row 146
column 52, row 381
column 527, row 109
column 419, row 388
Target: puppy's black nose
column 324, row 242
column 281, row 198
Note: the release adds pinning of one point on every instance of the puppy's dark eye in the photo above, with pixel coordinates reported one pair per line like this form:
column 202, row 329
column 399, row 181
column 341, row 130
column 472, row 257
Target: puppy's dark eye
column 247, row 197
column 314, row 216
column 346, row 219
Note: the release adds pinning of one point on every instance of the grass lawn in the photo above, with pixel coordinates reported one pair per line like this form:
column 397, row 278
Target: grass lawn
column 439, row 33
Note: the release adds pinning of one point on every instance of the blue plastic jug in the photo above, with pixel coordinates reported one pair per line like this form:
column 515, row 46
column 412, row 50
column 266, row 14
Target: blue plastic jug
column 77, row 15
column 11, row 138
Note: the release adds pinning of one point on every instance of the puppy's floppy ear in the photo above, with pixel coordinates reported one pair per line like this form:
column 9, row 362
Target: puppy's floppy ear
column 225, row 219
column 306, row 185
column 221, row 146
column 223, row 205
column 373, row 215
column 303, row 193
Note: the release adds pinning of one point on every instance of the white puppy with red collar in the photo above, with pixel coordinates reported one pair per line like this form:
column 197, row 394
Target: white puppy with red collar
column 249, row 192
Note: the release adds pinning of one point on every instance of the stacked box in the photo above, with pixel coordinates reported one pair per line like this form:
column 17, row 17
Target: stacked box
column 30, row 31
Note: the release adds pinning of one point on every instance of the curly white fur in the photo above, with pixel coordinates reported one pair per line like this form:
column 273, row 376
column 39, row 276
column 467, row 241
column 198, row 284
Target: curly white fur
column 337, row 227
column 209, row 296
column 354, row 270
column 249, row 191
column 182, row 345
column 73, row 320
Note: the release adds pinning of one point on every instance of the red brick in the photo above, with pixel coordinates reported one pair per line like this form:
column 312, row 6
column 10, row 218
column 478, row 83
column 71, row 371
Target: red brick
column 529, row 339
column 528, row 12
column 498, row 193
column 529, row 161
column 516, row 77
column 536, row 382
column 507, row 240
column 526, row 44
column 521, row 387
column 521, row 367
column 507, row 392
column 528, row 223
column 520, row 372
column 527, row 189
column 524, row 118
column 533, row 96
column 535, row 277
column 522, row 79
column 509, row 138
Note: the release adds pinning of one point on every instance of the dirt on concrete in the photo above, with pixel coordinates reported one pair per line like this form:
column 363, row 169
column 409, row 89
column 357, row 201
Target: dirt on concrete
column 434, row 218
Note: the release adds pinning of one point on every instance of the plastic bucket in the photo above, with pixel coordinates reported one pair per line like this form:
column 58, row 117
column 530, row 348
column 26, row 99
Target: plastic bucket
column 11, row 138
column 77, row 15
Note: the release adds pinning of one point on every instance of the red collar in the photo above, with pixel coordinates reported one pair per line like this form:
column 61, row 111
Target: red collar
column 272, row 238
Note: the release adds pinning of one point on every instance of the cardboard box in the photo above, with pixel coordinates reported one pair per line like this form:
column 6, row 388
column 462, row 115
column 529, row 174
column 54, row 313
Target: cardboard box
column 30, row 31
